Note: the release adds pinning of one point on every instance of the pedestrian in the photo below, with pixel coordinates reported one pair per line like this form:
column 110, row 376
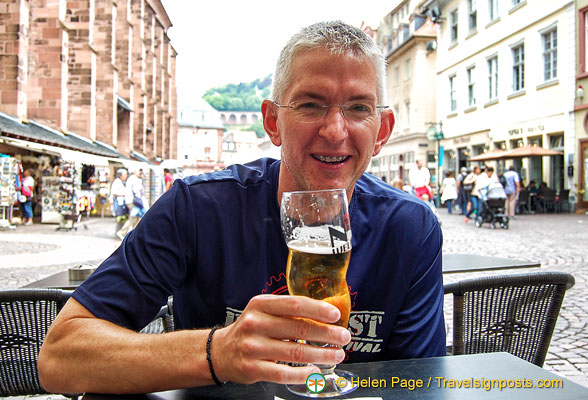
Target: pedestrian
column 463, row 191
column 168, row 178
column 449, row 191
column 117, row 198
column 135, row 201
column 512, row 189
column 474, row 196
column 215, row 242
column 419, row 178
column 27, row 190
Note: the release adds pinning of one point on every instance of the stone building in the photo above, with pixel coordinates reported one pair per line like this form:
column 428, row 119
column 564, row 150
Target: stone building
column 100, row 69
column 407, row 41
column 505, row 79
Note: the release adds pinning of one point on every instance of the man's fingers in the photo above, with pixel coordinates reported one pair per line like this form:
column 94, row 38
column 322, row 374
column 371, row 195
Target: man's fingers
column 271, row 326
column 296, row 306
column 290, row 351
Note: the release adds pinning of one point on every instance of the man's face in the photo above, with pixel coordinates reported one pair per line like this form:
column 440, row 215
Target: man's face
column 333, row 152
column 124, row 176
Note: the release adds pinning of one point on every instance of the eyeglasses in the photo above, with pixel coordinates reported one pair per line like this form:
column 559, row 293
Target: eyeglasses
column 312, row 111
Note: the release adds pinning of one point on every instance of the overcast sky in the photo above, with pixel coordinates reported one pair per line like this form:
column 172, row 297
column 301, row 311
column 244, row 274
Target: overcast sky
column 232, row 41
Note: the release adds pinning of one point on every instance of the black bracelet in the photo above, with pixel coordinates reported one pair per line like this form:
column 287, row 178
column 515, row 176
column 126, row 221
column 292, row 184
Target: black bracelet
column 209, row 359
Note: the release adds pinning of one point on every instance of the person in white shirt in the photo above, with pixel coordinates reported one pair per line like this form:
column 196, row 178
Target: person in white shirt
column 117, row 198
column 135, row 201
column 27, row 189
column 419, row 178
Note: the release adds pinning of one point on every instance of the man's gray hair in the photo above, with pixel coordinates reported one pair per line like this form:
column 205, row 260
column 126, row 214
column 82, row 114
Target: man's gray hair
column 120, row 172
column 338, row 38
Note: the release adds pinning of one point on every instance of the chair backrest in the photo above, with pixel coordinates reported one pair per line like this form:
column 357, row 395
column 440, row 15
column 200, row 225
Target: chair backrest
column 549, row 195
column 25, row 317
column 514, row 313
column 523, row 196
column 564, row 195
column 163, row 321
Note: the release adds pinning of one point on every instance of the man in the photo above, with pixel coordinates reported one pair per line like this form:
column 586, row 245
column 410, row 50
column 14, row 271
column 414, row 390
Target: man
column 214, row 241
column 512, row 189
column 419, row 178
column 117, row 198
column 135, row 201
column 463, row 191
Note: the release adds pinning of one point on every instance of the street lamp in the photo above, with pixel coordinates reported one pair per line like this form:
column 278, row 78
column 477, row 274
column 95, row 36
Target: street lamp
column 437, row 134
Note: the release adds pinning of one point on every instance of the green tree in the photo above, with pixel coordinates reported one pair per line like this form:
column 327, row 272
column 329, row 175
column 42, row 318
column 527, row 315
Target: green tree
column 257, row 128
column 244, row 96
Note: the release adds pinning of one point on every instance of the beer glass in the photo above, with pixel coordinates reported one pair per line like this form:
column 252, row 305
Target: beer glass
column 318, row 234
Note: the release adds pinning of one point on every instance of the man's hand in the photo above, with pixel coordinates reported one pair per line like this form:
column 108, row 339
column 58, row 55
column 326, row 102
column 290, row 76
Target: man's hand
column 247, row 350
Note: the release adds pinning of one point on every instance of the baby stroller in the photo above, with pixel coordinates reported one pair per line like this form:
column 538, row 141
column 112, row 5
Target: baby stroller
column 493, row 198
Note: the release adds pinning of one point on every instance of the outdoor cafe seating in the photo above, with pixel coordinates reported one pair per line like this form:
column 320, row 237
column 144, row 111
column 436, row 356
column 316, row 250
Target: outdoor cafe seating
column 25, row 317
column 515, row 313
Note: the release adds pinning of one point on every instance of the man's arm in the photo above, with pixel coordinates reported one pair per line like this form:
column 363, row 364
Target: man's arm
column 82, row 353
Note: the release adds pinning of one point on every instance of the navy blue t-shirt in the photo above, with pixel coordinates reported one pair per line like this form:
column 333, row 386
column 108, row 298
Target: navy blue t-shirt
column 214, row 241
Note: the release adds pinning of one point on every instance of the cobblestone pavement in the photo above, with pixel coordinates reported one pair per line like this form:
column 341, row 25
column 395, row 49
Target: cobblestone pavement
column 557, row 241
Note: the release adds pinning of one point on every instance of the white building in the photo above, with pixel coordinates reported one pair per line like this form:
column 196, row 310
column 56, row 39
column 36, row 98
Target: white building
column 240, row 147
column 407, row 41
column 200, row 137
column 506, row 78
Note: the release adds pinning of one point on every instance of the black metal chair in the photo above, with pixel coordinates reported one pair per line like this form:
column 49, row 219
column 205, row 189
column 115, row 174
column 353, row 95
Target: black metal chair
column 547, row 202
column 163, row 321
column 523, row 202
column 514, row 313
column 25, row 317
column 563, row 200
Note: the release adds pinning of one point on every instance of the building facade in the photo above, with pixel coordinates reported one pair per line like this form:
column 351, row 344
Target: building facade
column 103, row 70
column 506, row 78
column 407, row 41
column 200, row 139
column 579, row 162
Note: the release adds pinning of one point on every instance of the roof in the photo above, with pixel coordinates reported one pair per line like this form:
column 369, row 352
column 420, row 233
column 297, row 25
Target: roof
column 200, row 115
column 33, row 131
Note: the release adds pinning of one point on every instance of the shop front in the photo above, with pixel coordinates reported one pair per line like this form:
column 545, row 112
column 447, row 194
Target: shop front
column 547, row 133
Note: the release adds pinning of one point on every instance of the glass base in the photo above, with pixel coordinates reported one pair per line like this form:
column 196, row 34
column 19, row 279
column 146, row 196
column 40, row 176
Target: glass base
column 337, row 383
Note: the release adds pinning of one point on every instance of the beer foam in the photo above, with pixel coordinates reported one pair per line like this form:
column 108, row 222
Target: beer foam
column 314, row 246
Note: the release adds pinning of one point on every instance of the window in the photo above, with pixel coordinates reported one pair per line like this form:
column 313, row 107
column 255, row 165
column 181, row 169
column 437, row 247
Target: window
column 516, row 2
column 549, row 40
column 473, row 14
column 397, row 76
column 407, row 113
column 518, row 68
column 471, row 86
column 493, row 9
column 407, row 70
column 453, row 32
column 452, row 100
column 492, row 78
column 396, row 117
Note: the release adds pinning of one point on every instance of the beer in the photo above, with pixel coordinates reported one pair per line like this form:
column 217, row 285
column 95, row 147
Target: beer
column 314, row 271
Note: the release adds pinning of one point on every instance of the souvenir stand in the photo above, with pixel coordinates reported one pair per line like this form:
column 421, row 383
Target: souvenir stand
column 9, row 167
column 67, row 197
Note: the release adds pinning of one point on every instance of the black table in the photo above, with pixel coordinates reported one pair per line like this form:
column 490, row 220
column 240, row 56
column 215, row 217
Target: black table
column 436, row 375
column 452, row 263
column 60, row 280
column 456, row 263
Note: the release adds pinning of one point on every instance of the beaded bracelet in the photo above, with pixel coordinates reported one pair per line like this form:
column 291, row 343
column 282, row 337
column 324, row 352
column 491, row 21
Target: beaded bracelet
column 209, row 358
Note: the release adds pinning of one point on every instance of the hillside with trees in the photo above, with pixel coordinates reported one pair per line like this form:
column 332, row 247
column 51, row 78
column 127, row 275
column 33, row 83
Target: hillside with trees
column 239, row 97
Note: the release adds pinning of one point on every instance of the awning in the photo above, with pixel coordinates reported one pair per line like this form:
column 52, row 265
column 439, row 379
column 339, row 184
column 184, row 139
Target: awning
column 65, row 154
column 124, row 104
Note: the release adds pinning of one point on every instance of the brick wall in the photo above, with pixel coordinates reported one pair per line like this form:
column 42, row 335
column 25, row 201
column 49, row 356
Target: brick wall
column 68, row 66
column 14, row 31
